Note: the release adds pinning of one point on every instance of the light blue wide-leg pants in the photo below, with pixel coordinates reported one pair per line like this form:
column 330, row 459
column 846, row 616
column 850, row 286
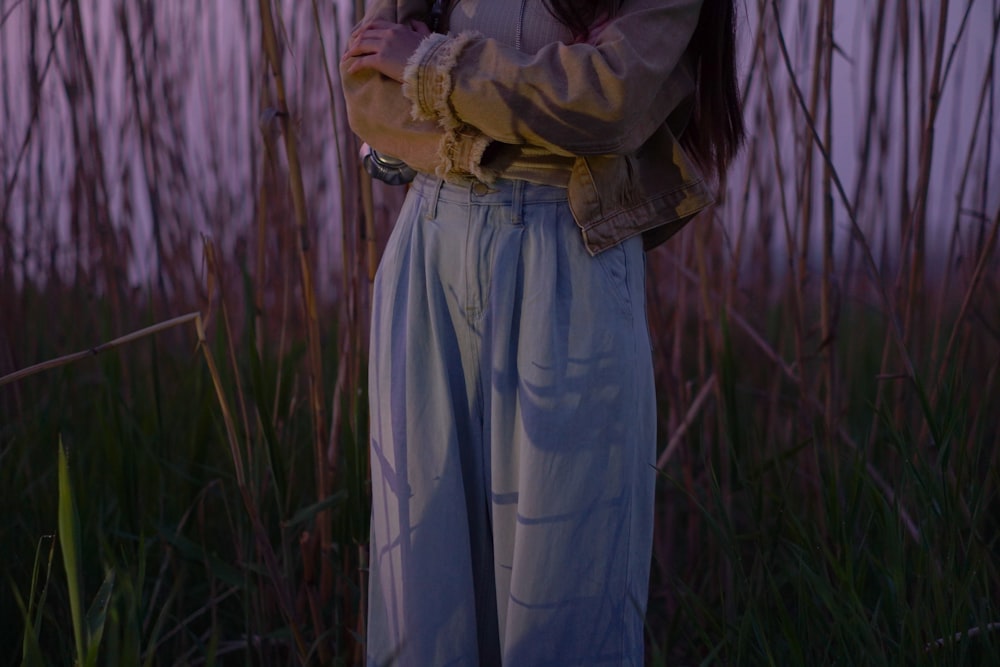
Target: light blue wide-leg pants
column 513, row 436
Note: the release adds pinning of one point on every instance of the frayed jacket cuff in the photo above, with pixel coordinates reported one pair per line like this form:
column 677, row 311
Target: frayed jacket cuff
column 427, row 83
column 461, row 151
column 427, row 77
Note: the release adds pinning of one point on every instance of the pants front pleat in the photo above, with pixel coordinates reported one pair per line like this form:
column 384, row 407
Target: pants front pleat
column 512, row 436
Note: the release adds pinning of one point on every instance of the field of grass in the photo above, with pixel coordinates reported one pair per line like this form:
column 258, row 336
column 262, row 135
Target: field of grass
column 827, row 345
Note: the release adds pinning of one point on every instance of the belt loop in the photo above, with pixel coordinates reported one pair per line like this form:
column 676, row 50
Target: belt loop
column 432, row 205
column 517, row 202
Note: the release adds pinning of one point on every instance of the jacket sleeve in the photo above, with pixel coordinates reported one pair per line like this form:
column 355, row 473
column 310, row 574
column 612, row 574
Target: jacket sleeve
column 380, row 115
column 606, row 96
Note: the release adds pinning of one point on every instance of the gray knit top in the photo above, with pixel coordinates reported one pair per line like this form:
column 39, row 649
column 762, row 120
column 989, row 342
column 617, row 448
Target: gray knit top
column 527, row 26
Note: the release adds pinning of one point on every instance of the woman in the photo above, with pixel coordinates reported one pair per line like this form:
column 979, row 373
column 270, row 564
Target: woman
column 512, row 399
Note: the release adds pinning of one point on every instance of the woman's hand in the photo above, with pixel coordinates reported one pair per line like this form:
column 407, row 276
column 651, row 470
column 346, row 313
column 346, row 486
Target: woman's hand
column 384, row 47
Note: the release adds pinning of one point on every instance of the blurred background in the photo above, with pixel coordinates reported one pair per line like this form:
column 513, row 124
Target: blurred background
column 827, row 342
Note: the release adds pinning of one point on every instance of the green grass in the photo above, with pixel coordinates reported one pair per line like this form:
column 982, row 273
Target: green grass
column 793, row 553
column 778, row 551
column 154, row 504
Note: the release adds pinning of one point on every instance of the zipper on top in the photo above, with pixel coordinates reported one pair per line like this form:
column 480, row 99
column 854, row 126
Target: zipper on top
column 520, row 25
column 438, row 9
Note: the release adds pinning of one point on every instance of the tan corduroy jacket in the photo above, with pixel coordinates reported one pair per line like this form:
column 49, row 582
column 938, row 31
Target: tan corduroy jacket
column 613, row 104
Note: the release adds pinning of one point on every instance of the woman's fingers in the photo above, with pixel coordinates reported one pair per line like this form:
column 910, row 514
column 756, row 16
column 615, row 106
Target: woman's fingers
column 362, row 41
column 374, row 31
column 384, row 47
column 367, row 34
column 364, row 48
column 373, row 24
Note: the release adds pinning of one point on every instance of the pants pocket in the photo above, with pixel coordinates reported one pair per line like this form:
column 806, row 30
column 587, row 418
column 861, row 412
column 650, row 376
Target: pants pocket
column 615, row 266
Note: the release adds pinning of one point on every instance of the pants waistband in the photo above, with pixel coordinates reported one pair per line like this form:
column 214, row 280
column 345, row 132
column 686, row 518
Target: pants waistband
column 503, row 192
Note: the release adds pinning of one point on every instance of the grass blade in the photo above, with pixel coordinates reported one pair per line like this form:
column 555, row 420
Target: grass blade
column 97, row 615
column 307, row 513
column 69, row 541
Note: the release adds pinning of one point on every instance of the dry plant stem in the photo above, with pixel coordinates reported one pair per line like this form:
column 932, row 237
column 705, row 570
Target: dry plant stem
column 865, row 155
column 714, row 342
column 814, row 404
column 865, row 151
column 859, row 234
column 309, row 577
column 227, row 416
column 689, row 417
column 335, row 126
column 80, row 91
column 958, row 40
column 148, row 144
column 94, row 351
column 359, row 287
column 351, row 326
column 350, row 337
column 793, row 287
column 258, row 296
column 827, row 317
column 333, row 98
column 259, row 532
column 8, row 190
column 216, row 270
column 918, row 217
column 324, row 475
column 806, row 174
column 10, row 10
column 167, row 561
column 805, row 188
column 985, row 92
column 268, row 169
column 903, row 48
column 985, row 254
column 368, row 207
column 338, row 396
column 223, row 648
column 900, row 49
column 332, row 448
column 772, row 115
column 184, row 623
column 826, row 39
column 333, row 451
column 362, row 615
column 367, row 202
column 802, row 190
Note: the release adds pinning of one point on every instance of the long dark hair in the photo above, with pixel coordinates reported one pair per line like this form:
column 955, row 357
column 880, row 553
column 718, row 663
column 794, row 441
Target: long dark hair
column 715, row 132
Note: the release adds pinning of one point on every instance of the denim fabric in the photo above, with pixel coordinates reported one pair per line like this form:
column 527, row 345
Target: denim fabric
column 513, row 436
column 615, row 105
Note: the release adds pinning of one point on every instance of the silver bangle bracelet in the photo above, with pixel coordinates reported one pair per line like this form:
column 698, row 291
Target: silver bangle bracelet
column 386, row 168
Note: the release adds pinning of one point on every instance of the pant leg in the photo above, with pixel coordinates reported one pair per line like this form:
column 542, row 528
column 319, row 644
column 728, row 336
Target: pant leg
column 423, row 604
column 571, row 424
